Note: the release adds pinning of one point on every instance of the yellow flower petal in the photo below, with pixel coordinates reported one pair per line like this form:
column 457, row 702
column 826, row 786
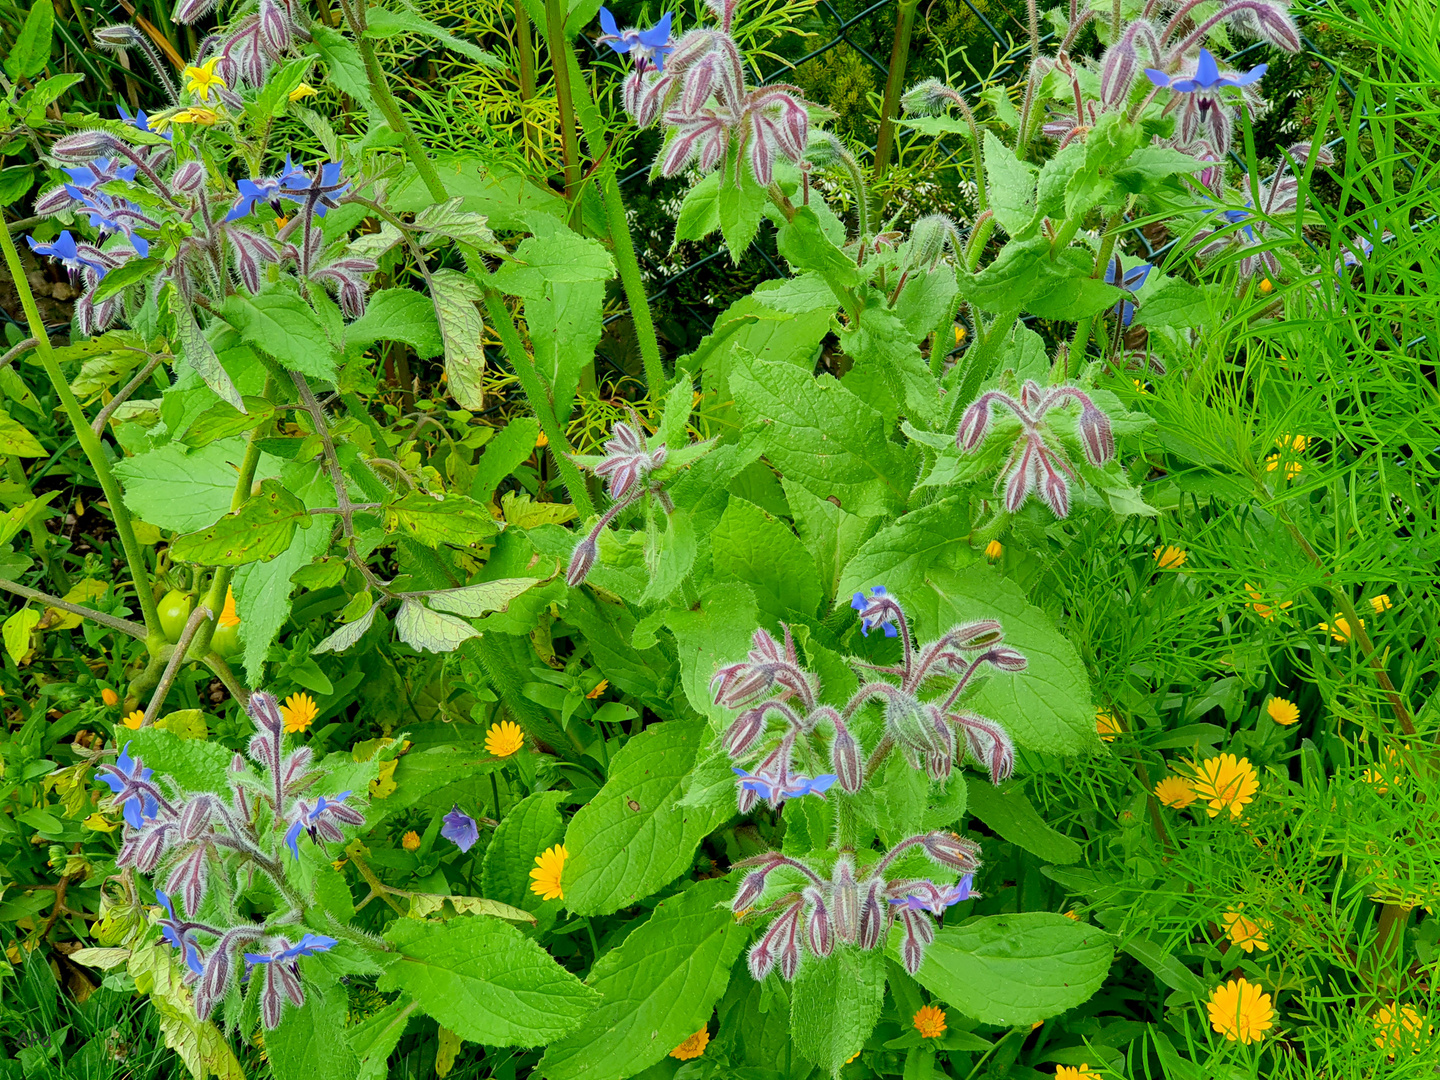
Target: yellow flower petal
column 299, row 712
column 504, row 739
column 1282, row 711
column 549, row 867
column 692, row 1047
column 930, row 1022
column 1241, row 1011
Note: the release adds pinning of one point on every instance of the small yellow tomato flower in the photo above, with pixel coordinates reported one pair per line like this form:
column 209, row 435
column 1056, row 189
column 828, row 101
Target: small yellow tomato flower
column 541, row 441
column 201, row 80
column 930, row 1022
column 692, row 1047
column 961, row 333
column 410, row 841
column 228, row 614
column 193, row 115
column 1265, row 611
column 304, row 90
column 1282, row 711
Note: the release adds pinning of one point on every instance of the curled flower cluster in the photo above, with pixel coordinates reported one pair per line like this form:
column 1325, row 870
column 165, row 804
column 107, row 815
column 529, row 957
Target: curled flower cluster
column 696, row 89
column 195, row 839
column 855, row 908
column 1037, row 462
column 626, row 465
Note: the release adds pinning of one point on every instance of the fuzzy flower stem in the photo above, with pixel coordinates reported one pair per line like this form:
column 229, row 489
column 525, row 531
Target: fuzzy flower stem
column 878, row 756
column 864, row 694
column 200, row 615
column 90, row 443
column 125, row 626
column 124, row 148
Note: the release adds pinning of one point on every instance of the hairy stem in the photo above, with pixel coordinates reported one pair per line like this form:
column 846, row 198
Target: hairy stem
column 559, row 52
column 125, row 626
column 899, row 55
column 201, row 614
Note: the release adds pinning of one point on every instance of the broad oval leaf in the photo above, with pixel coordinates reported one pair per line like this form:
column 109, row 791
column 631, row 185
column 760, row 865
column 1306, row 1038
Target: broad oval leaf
column 259, row 531
column 476, row 600
column 430, row 631
column 349, row 634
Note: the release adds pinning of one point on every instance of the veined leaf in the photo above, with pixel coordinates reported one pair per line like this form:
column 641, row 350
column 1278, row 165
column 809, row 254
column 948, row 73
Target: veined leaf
column 430, row 631
column 423, row 905
column 199, row 1043
column 457, row 520
column 485, row 981
column 285, row 327
column 1010, row 814
column 16, row 440
column 473, row 601
column 556, row 258
column 532, row 825
column 223, row 420
column 349, row 634
column 463, row 331
column 382, row 23
column 835, row 1003
column 310, row 1042
column 259, row 531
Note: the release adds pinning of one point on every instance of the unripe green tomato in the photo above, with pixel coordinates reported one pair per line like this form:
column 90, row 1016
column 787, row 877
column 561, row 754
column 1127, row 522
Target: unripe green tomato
column 175, row 608
column 226, row 641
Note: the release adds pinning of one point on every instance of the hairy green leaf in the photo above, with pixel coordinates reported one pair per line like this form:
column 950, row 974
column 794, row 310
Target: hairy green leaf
column 261, row 529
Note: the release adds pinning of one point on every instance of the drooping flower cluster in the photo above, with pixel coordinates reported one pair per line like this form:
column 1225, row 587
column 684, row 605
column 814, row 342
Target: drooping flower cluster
column 696, row 89
column 254, row 44
column 626, row 465
column 196, row 839
column 1038, row 462
column 855, row 907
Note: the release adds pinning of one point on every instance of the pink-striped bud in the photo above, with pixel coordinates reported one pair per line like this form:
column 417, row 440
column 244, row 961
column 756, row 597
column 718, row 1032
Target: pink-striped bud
column 845, row 759
column 976, row 635
column 699, row 83
column 275, row 33
column 919, row 932
column 751, row 888
column 265, row 711
column 819, row 931
column 1273, row 23
column 581, row 561
column 1054, row 490
column 845, row 900
column 1007, row 659
column 189, row 177
column 743, row 731
column 712, row 149
column 189, row 878
column 1118, row 69
column 1096, row 435
column 762, row 151
column 989, row 744
column 1021, row 480
column 974, row 425
column 52, row 201
column 874, row 915
column 779, row 944
column 84, row 145
column 195, row 817
column 948, row 849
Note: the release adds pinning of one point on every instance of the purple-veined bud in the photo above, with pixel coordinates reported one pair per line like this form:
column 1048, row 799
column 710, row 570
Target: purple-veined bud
column 712, row 149
column 974, row 424
column 975, row 635
column 237, row 763
column 1022, row 478
column 792, row 129
column 789, row 943
column 189, row 177
column 699, row 83
column 1096, row 435
column 117, row 36
column 989, row 744
column 778, row 937
column 762, row 150
column 751, row 888
column 874, row 915
column 845, row 900
column 581, row 560
column 187, row 11
column 262, row 751
column 52, row 201
column 938, row 766
column 743, row 731
column 195, row 819
column 1271, row 22
column 265, row 711
column 214, row 981
column 819, row 931
column 724, row 10
column 1007, row 659
column 275, row 32
column 1054, row 488
column 1118, row 69
column 746, row 798
column 84, row 145
column 189, row 878
column 845, row 759
column 949, row 849
column 143, row 849
column 919, row 932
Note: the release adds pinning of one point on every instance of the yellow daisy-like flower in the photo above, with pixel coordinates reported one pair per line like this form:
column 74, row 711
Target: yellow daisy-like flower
column 600, row 688
column 1175, row 792
column 1380, row 604
column 1107, row 725
column 1266, row 287
column 134, row 720
column 1400, row 1026
column 541, row 441
column 1241, row 1010
column 410, row 841
column 304, row 90
column 193, row 115
column 994, row 549
column 201, row 80
column 1226, row 782
column 1340, row 628
column 504, row 739
column 1298, row 443
column 692, row 1047
column 299, row 712
column 109, row 697
column 1282, row 711
column 1265, row 611
column 852, row 1057
column 1072, row 915
column 228, row 615
column 961, row 333
column 1069, row 1072
column 1245, row 932
column 930, row 1022
column 1292, row 468
column 549, row 865
column 1171, row 558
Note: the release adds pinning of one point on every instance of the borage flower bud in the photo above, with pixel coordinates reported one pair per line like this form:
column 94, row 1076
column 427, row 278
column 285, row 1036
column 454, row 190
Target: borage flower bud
column 743, row 731
column 195, row 818
column 948, row 849
column 751, row 888
column 845, row 758
column 1007, row 659
column 189, row 177
column 1054, row 489
column 189, row 878
column 989, row 744
column 845, row 900
column 874, row 916
column 819, row 931
column 53, row 201
column 1096, row 435
column 919, row 932
column 84, row 145
column 265, row 711
column 581, row 561
column 779, row 944
column 976, row 635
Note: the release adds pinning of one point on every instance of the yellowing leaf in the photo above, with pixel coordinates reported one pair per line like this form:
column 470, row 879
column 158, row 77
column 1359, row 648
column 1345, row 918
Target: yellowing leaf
column 184, row 724
column 16, row 632
column 383, row 786
column 198, row 1042
column 446, row 1051
column 84, row 592
column 525, row 513
column 100, row 823
column 425, row 904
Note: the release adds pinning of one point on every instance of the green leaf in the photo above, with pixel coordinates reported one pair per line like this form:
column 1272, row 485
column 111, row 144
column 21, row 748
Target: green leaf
column 531, row 826
column 804, row 245
column 31, row 51
column 671, row 557
column 659, row 987
column 1013, row 970
column 30, row 512
column 503, row 454
column 1010, row 814
column 754, row 547
column 507, row 199
column 1047, row 707
column 398, row 315
column 223, row 420
column 564, row 325
column 200, row 1046
column 430, row 631
column 831, row 535
column 346, row 636
column 700, row 212
column 182, row 490
column 1148, row 166
column 717, row 632
column 16, row 440
column 835, row 1003
column 824, row 437
column 1011, row 186
column 285, row 327
column 1072, row 293
column 125, row 275
column 485, row 981
column 382, row 23
column 899, row 555
column 1175, row 304
column 740, row 206
column 447, row 221
column 196, row 765
column 463, row 331
column 456, row 520
column 631, row 838
column 343, row 64
column 373, row 1039
column 259, row 531
column 559, row 257
column 197, row 351
column 310, row 1042
column 889, row 372
column 474, row 601
column 262, row 590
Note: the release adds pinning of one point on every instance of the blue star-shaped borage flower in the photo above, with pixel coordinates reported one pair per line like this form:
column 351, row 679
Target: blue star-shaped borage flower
column 877, row 611
column 1129, row 280
column 648, row 48
column 927, row 896
column 309, row 945
column 129, row 779
column 777, row 792
column 176, row 933
column 1206, row 79
column 64, row 248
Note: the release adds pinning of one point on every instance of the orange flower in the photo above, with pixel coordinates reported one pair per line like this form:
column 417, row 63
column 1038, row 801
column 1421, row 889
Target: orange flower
column 549, row 866
column 1067, row 1072
column 504, row 739
column 994, row 549
column 692, row 1047
column 1265, row 611
column 109, row 697
column 1380, row 604
column 299, row 712
column 1226, row 782
column 1248, row 934
column 410, row 841
column 1340, row 628
column 1241, row 1010
column 930, row 1022
column 228, row 616
column 1282, row 711
column 600, row 688
column 1107, row 725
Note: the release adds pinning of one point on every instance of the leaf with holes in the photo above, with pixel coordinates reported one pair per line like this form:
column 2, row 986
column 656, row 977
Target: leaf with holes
column 259, row 531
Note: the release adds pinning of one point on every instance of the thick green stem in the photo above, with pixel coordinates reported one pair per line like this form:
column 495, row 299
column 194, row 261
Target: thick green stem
column 89, row 442
column 560, row 61
column 889, row 105
column 626, row 259
column 525, row 46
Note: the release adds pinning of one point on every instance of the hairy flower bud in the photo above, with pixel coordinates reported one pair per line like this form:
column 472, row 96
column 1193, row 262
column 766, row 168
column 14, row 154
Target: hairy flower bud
column 975, row 424
column 919, row 932
column 948, row 849
column 928, row 97
column 1006, row 658
column 84, row 145
column 989, row 744
column 52, row 201
column 1054, row 489
column 265, row 711
column 740, row 736
column 1096, row 435
column 819, row 930
column 779, row 944
column 845, row 900
column 581, row 561
column 845, row 759
column 189, row 177
column 751, row 888
column 874, row 915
